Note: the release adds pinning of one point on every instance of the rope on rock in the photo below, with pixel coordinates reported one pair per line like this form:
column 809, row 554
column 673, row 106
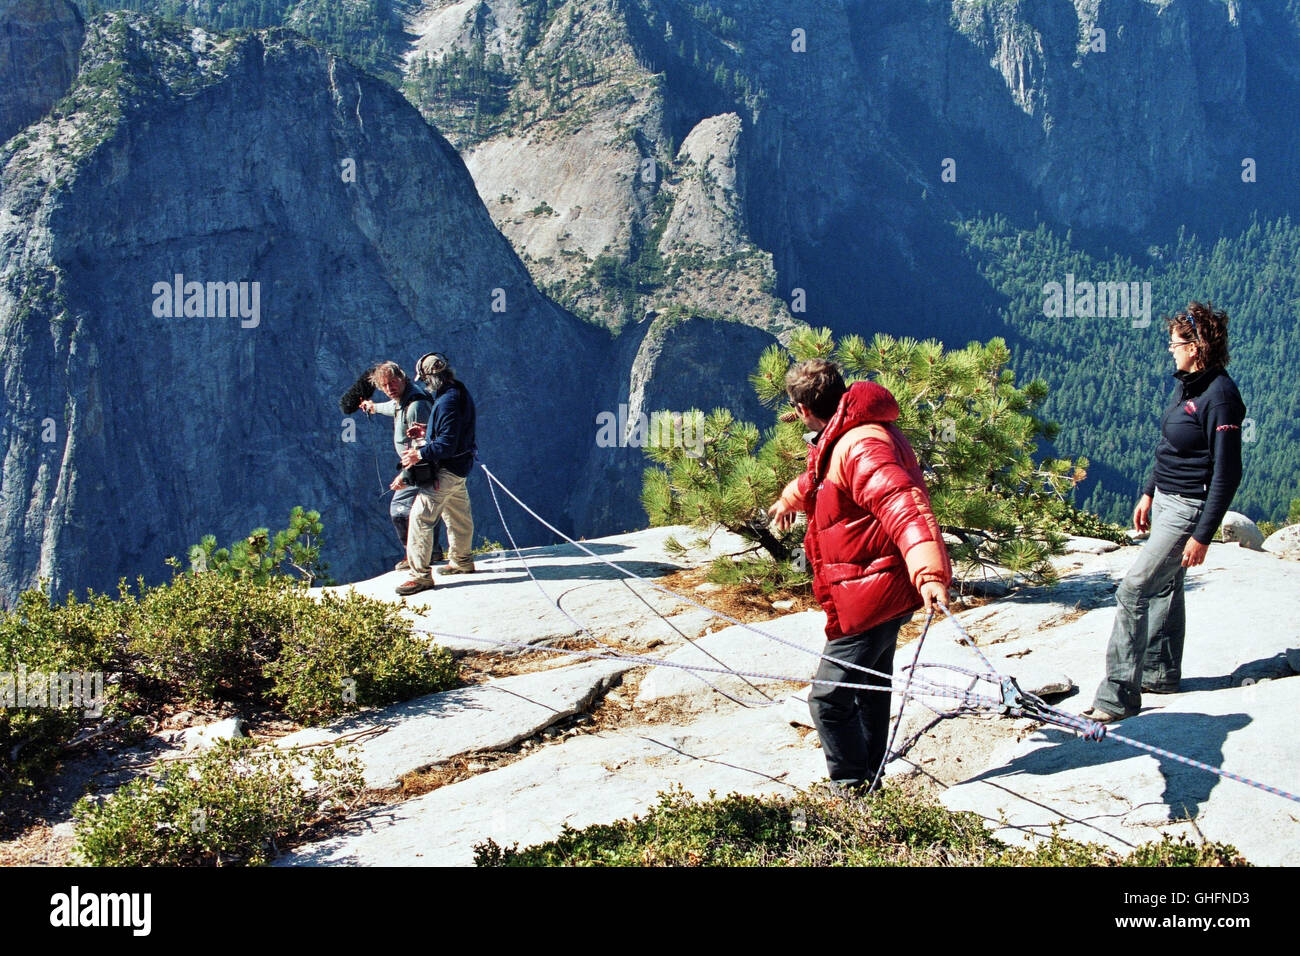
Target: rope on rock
column 1019, row 703
column 902, row 704
column 582, row 628
column 681, row 597
column 1012, row 701
column 938, row 690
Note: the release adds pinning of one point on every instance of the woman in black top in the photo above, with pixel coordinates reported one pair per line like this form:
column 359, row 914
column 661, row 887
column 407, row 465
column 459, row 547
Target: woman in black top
column 1197, row 470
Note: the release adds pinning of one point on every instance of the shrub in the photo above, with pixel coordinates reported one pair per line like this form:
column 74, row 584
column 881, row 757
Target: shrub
column 767, row 574
column 41, row 638
column 351, row 651
column 204, row 634
column 1070, row 520
column 888, row 828
column 968, row 421
column 233, row 632
column 231, row 806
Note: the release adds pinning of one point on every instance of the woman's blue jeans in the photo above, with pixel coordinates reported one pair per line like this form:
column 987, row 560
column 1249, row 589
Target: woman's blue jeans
column 1146, row 641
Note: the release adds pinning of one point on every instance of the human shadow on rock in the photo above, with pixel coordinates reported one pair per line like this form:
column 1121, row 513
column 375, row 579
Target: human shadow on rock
column 1198, row 736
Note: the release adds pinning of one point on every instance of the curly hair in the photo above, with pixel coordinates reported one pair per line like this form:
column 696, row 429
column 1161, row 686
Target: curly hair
column 1207, row 326
column 384, row 371
column 817, row 384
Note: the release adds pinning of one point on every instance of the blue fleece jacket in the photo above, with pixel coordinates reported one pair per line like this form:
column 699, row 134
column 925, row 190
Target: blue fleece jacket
column 451, row 434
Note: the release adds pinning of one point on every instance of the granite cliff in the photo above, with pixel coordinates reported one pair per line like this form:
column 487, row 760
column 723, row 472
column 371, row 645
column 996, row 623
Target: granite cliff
column 857, row 132
column 324, row 225
column 39, row 44
column 657, row 167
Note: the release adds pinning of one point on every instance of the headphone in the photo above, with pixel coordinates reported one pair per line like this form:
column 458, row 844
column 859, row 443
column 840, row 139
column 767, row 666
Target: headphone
column 430, row 364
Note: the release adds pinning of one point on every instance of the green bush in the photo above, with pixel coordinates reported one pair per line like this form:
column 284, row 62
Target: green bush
column 354, row 650
column 38, row 637
column 244, row 630
column 205, row 634
column 768, row 574
column 962, row 412
column 231, row 806
column 888, row 828
column 1070, row 520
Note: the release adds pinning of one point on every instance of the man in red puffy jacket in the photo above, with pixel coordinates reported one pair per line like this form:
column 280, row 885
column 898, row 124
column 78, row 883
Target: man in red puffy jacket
column 876, row 553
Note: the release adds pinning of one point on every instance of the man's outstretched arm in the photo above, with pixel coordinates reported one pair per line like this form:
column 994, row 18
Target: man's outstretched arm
column 793, row 499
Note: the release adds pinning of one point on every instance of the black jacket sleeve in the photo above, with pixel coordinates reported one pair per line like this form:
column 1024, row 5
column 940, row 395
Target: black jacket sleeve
column 1223, row 433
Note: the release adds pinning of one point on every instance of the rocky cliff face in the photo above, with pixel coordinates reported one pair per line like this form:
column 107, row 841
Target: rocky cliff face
column 1103, row 107
column 39, row 43
column 579, row 164
column 659, row 166
column 666, row 363
column 141, row 412
column 864, row 129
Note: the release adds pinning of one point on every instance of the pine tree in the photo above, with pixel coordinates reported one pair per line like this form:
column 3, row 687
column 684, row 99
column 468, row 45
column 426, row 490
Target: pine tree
column 972, row 428
column 260, row 556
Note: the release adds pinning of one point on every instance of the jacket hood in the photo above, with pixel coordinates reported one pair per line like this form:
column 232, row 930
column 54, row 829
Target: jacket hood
column 865, row 403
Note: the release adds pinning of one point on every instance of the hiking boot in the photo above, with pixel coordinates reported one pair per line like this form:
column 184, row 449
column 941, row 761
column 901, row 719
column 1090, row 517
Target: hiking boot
column 1100, row 716
column 402, row 565
column 457, row 569
column 415, row 586
column 1152, row 689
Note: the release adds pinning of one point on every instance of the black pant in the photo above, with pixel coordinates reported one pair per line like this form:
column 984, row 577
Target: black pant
column 399, row 509
column 854, row 724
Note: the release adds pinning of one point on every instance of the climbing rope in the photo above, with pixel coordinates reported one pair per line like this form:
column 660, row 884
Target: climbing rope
column 1011, row 701
column 648, row 661
column 582, row 628
column 1019, row 703
column 902, row 703
column 681, row 597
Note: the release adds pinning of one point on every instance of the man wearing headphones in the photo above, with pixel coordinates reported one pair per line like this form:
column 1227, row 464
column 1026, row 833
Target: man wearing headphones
column 408, row 404
column 448, row 445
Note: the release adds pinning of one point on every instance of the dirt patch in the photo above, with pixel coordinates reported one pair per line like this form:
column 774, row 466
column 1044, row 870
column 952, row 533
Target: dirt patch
column 38, row 845
column 491, row 665
column 744, row 602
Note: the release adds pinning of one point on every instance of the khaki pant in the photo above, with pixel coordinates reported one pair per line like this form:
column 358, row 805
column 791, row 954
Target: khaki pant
column 449, row 500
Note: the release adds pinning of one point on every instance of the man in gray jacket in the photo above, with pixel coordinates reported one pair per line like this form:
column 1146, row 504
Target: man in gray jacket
column 409, row 404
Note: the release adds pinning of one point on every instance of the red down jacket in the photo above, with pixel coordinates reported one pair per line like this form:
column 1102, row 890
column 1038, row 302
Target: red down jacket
column 872, row 538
